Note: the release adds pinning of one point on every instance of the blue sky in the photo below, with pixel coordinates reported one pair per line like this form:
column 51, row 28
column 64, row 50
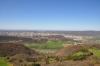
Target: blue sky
column 50, row 14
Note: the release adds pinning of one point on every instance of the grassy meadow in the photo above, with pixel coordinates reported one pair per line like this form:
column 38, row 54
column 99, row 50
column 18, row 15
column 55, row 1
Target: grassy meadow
column 95, row 51
column 49, row 47
column 4, row 62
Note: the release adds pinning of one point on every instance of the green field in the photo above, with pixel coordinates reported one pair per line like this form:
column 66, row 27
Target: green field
column 50, row 46
column 3, row 62
column 53, row 44
column 95, row 51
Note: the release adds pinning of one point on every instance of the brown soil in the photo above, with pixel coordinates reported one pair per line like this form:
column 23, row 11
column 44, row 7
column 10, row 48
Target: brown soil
column 10, row 49
column 69, row 50
column 72, row 63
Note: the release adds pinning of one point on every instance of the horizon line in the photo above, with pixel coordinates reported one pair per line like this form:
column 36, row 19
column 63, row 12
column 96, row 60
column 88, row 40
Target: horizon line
column 41, row 30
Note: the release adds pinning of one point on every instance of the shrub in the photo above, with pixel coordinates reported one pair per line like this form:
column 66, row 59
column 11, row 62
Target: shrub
column 35, row 64
column 79, row 55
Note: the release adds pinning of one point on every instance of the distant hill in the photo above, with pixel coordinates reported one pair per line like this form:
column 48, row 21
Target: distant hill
column 14, row 39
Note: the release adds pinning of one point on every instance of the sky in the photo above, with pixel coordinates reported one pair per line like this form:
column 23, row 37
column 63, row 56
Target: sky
column 50, row 14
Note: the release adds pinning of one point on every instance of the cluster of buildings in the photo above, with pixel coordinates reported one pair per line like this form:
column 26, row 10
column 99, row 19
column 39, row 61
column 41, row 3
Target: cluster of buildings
column 40, row 35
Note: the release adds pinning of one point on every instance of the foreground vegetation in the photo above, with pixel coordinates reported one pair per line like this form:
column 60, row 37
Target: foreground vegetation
column 4, row 62
column 70, row 55
column 96, row 52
